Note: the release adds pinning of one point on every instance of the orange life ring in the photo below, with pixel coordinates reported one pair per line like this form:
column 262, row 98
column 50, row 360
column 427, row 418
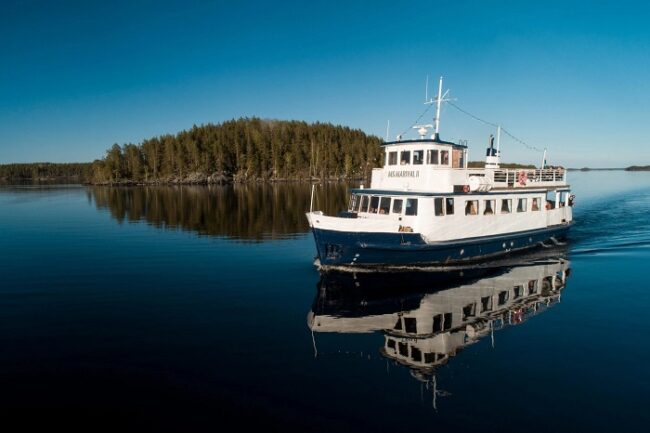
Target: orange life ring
column 523, row 178
column 465, row 188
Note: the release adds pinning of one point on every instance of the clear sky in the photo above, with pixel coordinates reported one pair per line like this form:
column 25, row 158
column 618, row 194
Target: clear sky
column 78, row 76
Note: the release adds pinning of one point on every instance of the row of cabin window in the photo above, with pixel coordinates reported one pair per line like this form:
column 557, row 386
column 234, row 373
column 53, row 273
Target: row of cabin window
column 443, row 322
column 442, row 206
column 416, row 354
column 472, row 206
column 382, row 205
column 434, row 157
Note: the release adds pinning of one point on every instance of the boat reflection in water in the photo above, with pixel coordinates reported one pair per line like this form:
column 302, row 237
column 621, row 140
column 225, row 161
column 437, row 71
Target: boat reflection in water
column 428, row 317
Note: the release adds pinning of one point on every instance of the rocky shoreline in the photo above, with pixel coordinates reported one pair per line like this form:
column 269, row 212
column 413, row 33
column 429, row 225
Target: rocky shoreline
column 198, row 178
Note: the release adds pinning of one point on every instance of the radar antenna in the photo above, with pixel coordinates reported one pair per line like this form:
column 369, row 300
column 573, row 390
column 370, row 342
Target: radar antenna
column 422, row 129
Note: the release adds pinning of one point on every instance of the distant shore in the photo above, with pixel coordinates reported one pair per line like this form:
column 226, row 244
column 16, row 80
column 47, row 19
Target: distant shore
column 80, row 173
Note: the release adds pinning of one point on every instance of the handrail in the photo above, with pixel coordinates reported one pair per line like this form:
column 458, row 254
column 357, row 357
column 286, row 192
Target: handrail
column 523, row 176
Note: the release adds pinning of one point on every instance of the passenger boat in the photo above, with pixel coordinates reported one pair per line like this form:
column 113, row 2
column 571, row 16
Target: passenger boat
column 426, row 207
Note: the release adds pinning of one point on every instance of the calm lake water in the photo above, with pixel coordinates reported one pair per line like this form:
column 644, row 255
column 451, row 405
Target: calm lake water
column 192, row 308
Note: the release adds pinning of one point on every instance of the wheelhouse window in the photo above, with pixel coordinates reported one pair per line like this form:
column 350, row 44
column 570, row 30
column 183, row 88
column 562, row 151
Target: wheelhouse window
column 449, row 206
column 410, row 325
column 364, row 203
column 490, row 205
column 471, row 207
column 432, row 157
column 384, row 205
column 442, row 322
column 397, row 205
column 535, row 204
column 405, row 157
column 411, row 206
column 438, row 206
column 506, row 205
column 392, row 158
column 522, row 205
column 418, row 157
column 444, row 157
column 374, row 204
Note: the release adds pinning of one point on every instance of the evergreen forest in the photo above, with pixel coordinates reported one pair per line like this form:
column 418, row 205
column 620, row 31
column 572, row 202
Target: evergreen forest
column 243, row 150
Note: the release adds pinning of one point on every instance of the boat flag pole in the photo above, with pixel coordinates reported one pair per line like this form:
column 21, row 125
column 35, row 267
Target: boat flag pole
column 544, row 159
column 311, row 201
column 498, row 139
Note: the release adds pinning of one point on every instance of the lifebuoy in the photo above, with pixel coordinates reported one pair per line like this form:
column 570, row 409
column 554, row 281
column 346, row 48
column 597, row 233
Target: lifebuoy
column 465, row 188
column 523, row 178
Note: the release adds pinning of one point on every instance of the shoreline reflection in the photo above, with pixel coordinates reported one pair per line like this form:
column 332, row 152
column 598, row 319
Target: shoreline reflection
column 253, row 212
column 427, row 318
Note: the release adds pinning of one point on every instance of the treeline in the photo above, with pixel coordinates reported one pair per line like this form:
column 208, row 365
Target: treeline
column 638, row 168
column 247, row 149
column 481, row 164
column 46, row 171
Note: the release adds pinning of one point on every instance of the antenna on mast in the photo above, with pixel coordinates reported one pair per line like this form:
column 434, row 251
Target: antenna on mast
column 438, row 101
column 426, row 90
column 387, row 129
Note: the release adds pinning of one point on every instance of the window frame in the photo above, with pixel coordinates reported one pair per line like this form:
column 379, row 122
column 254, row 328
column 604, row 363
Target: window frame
column 364, row 198
column 522, row 205
column 376, row 207
column 444, row 157
column 509, row 202
column 401, row 206
column 441, row 211
column 392, row 157
column 431, row 152
column 489, row 204
column 448, row 201
column 534, row 200
column 407, row 207
column 380, row 208
column 419, row 160
column 468, row 208
column 402, row 161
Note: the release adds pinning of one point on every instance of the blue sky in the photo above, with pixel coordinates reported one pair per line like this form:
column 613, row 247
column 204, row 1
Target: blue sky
column 78, row 76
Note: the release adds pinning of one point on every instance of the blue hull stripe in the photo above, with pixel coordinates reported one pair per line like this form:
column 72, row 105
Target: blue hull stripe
column 337, row 248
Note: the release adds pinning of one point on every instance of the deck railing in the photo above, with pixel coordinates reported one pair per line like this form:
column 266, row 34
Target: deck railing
column 526, row 176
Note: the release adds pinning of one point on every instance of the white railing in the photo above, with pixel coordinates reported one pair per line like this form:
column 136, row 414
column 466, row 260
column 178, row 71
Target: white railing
column 525, row 177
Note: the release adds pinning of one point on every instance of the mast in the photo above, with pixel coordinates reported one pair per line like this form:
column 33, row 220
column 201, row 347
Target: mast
column 438, row 101
column 438, row 104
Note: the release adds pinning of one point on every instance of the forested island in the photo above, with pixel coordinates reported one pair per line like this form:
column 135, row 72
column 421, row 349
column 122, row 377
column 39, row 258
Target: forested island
column 243, row 150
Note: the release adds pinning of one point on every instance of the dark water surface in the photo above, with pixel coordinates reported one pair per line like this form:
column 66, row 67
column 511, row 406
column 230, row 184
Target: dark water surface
column 198, row 308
